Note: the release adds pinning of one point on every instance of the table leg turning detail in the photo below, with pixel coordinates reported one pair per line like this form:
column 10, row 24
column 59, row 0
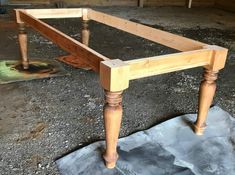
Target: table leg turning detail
column 206, row 94
column 112, row 123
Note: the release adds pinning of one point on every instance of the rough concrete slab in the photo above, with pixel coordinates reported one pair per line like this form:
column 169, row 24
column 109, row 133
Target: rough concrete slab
column 168, row 148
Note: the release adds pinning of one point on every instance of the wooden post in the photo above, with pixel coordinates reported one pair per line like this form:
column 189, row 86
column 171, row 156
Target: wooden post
column 85, row 40
column 85, row 32
column 189, row 4
column 23, row 45
column 141, row 3
column 206, row 94
column 112, row 123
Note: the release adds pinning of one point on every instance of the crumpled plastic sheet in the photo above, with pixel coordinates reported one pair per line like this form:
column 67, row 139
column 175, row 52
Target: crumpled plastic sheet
column 168, row 148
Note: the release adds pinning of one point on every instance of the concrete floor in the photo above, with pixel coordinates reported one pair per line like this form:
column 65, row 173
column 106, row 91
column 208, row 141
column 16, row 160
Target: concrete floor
column 42, row 120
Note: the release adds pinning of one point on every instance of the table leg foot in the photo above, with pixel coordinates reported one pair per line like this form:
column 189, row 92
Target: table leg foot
column 110, row 160
column 199, row 130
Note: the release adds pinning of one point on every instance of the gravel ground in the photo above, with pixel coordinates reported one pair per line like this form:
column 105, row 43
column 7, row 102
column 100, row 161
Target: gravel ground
column 42, row 120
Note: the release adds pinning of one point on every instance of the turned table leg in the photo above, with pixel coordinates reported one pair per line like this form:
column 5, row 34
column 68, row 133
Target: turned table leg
column 75, row 60
column 112, row 123
column 206, row 94
column 85, row 32
column 85, row 40
column 114, row 79
column 23, row 45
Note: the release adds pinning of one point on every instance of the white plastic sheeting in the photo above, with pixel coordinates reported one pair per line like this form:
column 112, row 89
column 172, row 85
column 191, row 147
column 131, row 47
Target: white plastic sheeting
column 168, row 148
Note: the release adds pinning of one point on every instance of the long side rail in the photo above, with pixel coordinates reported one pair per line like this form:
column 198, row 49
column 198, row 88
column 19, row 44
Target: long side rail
column 88, row 55
column 165, row 38
column 146, row 67
column 55, row 13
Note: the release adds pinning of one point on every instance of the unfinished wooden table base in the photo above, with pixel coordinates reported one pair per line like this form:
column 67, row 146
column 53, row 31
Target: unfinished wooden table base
column 116, row 74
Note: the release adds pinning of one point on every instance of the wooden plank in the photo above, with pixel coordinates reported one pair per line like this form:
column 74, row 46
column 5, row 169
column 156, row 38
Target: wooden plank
column 103, row 2
column 203, row 3
column 157, row 3
column 55, row 13
column 165, row 38
column 148, row 3
column 29, row 2
column 146, row 67
column 89, row 56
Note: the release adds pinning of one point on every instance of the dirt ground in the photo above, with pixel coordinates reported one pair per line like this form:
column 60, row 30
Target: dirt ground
column 42, row 120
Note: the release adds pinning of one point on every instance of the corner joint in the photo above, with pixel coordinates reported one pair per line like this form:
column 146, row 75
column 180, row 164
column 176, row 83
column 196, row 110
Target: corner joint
column 218, row 57
column 114, row 75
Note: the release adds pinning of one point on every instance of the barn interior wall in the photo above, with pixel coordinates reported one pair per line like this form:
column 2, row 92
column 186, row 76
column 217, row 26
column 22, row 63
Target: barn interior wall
column 228, row 5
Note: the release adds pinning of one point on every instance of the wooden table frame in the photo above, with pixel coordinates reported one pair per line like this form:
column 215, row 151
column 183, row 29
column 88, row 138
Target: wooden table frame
column 116, row 74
